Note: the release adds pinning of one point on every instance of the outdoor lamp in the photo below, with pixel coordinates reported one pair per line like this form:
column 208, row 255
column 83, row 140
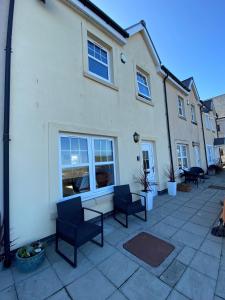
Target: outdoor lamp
column 136, row 137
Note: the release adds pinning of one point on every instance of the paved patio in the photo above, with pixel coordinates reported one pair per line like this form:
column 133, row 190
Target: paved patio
column 194, row 270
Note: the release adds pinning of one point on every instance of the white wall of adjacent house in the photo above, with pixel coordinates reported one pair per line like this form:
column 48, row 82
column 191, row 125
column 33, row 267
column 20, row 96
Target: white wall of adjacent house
column 54, row 95
column 4, row 5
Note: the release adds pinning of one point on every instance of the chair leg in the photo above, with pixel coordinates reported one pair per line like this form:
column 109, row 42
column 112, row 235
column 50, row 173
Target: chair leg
column 75, row 257
column 115, row 218
column 143, row 219
column 72, row 263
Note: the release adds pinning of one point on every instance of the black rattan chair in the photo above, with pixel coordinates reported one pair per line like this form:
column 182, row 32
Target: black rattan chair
column 198, row 171
column 190, row 177
column 71, row 227
column 123, row 203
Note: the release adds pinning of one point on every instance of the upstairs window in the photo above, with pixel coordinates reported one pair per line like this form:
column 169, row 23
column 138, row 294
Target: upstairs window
column 207, row 121
column 213, row 125
column 181, row 111
column 143, row 85
column 193, row 115
column 98, row 61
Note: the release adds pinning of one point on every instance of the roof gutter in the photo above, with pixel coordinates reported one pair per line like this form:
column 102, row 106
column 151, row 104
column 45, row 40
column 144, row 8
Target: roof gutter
column 6, row 139
column 168, row 126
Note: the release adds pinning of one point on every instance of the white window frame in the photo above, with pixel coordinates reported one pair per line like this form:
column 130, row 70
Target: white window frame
column 207, row 121
column 147, row 86
column 94, row 192
column 193, row 114
column 99, row 61
column 182, row 157
column 212, row 161
column 181, row 107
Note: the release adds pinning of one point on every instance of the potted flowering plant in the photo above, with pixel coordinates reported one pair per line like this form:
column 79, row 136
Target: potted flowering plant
column 147, row 191
column 29, row 257
column 171, row 183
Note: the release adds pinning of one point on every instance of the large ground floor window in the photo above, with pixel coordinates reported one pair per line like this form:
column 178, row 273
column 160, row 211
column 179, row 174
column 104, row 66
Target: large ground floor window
column 182, row 156
column 210, row 154
column 87, row 165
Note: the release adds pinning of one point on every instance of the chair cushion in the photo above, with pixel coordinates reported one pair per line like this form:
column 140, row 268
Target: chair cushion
column 130, row 208
column 86, row 231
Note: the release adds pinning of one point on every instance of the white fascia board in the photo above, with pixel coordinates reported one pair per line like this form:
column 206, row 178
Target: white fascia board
column 163, row 74
column 140, row 28
column 96, row 20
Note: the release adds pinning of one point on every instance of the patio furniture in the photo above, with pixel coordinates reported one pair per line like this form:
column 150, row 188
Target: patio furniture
column 198, row 171
column 123, row 203
column 73, row 229
column 190, row 177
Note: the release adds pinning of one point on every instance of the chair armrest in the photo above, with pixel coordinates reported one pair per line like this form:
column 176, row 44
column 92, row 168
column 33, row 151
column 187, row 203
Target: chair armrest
column 96, row 211
column 140, row 196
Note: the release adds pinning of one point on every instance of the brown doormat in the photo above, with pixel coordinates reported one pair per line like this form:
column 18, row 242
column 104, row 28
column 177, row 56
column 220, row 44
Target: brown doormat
column 149, row 248
column 216, row 187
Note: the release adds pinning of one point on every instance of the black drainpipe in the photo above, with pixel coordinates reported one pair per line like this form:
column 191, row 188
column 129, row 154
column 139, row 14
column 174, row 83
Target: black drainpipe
column 6, row 139
column 203, row 134
column 168, row 126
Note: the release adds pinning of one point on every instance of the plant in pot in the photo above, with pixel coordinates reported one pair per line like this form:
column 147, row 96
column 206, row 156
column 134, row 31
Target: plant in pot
column 171, row 183
column 29, row 257
column 146, row 191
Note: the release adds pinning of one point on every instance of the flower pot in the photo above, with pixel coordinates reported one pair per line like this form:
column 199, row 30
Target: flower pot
column 30, row 264
column 172, row 188
column 149, row 199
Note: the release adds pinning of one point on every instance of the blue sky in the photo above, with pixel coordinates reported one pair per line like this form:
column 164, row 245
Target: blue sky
column 189, row 36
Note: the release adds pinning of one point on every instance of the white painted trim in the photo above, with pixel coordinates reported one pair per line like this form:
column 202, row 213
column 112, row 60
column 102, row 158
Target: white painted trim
column 162, row 73
column 92, row 17
column 140, row 28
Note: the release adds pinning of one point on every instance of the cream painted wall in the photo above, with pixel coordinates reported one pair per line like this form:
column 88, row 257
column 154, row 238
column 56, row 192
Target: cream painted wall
column 4, row 4
column 183, row 131
column 51, row 92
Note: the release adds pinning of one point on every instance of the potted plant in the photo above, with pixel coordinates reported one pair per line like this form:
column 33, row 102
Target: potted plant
column 29, row 257
column 171, row 183
column 147, row 190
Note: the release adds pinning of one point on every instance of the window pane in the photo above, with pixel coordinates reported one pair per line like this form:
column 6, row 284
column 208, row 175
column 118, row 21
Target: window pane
column 75, row 181
column 84, row 157
column 143, row 90
column 98, row 68
column 178, row 151
column 179, row 163
column 185, row 164
column 104, row 176
column 65, row 158
column 184, row 151
column 83, row 144
column 65, row 143
column 75, row 157
column 75, row 144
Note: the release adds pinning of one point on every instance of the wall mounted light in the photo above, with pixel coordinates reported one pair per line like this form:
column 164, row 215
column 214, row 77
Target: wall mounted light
column 136, row 137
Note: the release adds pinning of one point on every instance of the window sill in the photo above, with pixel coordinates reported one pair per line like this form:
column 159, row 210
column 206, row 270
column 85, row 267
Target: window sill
column 101, row 81
column 182, row 117
column 146, row 101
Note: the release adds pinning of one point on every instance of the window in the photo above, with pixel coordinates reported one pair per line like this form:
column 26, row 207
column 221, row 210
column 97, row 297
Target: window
column 182, row 156
column 98, row 61
column 181, row 110
column 143, row 85
column 207, row 121
column 213, row 125
column 193, row 115
column 210, row 154
column 87, row 165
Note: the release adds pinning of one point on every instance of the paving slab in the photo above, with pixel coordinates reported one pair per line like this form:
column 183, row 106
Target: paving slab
column 220, row 286
column 196, row 229
column 206, row 264
column 8, row 294
column 175, row 295
column 38, row 286
column 173, row 273
column 117, row 296
column 93, row 285
column 196, row 286
column 61, row 295
column 144, row 286
column 211, row 248
column 6, row 279
column 189, row 239
column 164, row 229
column 67, row 273
column 116, row 236
column 173, row 221
column 118, row 268
column 186, row 255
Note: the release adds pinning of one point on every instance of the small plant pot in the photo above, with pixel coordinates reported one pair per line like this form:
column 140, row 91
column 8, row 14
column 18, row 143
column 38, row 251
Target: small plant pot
column 30, row 264
column 172, row 188
column 211, row 171
column 184, row 187
column 149, row 199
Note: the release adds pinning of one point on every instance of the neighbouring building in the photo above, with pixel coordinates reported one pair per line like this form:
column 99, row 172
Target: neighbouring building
column 88, row 109
column 219, row 104
column 210, row 132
